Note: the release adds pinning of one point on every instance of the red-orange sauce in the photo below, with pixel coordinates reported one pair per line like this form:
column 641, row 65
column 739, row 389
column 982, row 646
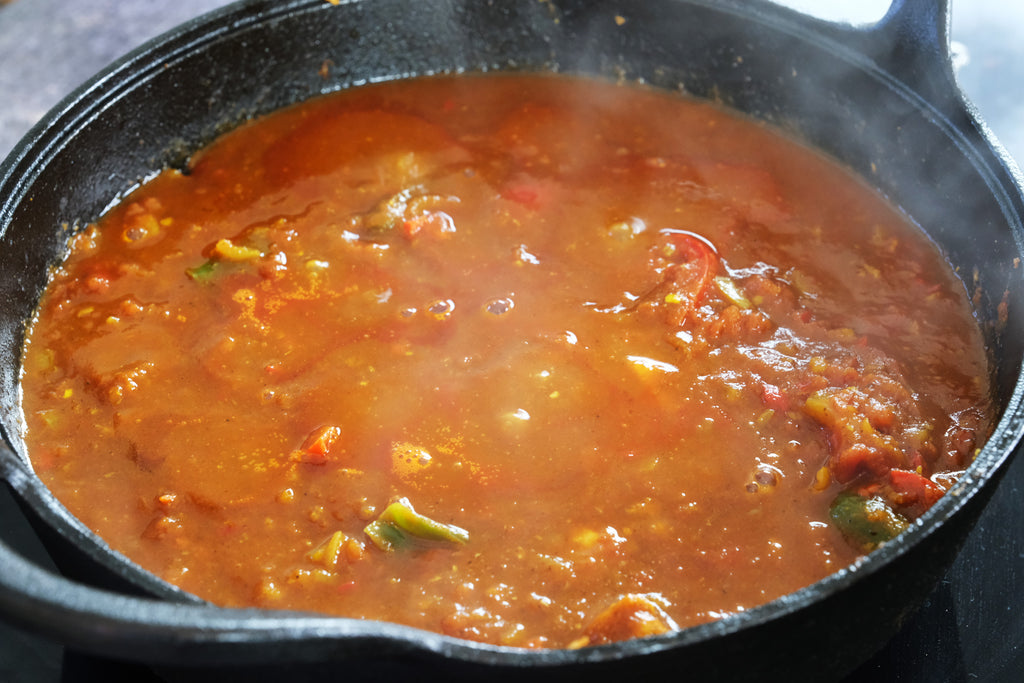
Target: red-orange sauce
column 621, row 350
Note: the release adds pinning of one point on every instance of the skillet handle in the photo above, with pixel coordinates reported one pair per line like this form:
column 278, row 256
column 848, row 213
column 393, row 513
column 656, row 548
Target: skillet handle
column 168, row 634
column 68, row 611
column 910, row 43
column 165, row 633
column 74, row 614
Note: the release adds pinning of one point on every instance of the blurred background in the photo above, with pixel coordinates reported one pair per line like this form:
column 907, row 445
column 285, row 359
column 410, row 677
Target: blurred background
column 972, row 627
column 48, row 47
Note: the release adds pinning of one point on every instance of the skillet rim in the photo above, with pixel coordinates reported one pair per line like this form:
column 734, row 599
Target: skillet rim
column 989, row 465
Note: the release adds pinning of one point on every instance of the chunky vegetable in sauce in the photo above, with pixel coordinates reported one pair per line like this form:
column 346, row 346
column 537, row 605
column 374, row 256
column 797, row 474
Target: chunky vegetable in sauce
column 528, row 360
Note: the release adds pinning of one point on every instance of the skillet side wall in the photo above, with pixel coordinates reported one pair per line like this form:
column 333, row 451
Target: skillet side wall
column 161, row 105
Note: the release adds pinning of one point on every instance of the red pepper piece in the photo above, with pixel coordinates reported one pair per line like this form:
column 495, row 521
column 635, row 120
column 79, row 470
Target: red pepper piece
column 694, row 263
column 773, row 397
column 317, row 446
column 913, row 492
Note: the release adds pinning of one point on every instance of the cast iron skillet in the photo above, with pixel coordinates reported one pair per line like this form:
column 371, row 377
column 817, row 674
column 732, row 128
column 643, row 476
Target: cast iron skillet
column 881, row 99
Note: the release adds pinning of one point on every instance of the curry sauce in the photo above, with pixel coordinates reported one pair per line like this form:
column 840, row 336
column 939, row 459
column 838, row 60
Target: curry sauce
column 528, row 360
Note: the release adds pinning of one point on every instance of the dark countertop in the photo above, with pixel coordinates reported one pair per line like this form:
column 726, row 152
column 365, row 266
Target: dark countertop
column 972, row 626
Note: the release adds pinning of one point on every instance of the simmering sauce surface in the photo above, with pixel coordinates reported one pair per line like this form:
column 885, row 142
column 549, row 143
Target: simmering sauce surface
column 528, row 360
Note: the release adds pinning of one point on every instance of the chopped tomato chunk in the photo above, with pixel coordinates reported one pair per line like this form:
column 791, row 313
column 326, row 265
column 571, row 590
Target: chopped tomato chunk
column 533, row 193
column 633, row 616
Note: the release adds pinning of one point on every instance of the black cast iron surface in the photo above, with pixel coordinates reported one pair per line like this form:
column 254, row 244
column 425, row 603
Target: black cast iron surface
column 971, row 628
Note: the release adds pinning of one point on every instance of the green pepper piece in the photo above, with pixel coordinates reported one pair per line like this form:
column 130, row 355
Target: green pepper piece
column 204, row 272
column 386, row 536
column 400, row 521
column 866, row 522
